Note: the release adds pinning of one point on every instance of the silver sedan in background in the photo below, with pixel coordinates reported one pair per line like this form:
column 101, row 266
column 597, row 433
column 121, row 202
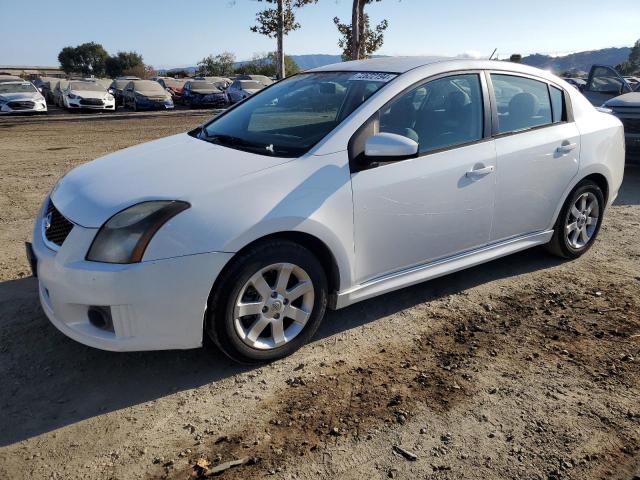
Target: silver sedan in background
column 21, row 97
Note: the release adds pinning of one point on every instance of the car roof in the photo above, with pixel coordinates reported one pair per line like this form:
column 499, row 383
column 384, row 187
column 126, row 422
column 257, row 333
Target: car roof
column 404, row 64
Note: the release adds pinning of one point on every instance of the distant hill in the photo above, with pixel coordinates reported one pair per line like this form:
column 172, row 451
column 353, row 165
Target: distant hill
column 575, row 61
column 578, row 61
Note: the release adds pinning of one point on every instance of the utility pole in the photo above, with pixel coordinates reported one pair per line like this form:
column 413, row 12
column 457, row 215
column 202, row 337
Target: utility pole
column 280, row 53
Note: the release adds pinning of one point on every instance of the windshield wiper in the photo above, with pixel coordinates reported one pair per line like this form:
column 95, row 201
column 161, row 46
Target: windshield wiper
column 237, row 142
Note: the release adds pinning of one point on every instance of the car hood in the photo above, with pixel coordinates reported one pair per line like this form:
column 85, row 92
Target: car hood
column 22, row 96
column 89, row 93
column 179, row 167
column 627, row 100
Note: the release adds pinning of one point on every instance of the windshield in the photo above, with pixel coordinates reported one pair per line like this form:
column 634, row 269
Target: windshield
column 84, row 86
column 250, row 85
column 148, row 86
column 290, row 117
column 203, row 85
column 17, row 88
column 173, row 83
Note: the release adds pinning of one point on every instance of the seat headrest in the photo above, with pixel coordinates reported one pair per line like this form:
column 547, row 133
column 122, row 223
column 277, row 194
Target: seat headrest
column 523, row 105
column 456, row 100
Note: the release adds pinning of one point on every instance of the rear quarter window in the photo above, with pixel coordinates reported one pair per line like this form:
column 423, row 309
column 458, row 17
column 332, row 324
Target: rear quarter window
column 521, row 102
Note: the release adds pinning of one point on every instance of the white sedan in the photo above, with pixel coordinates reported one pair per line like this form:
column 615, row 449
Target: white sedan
column 21, row 97
column 90, row 95
column 396, row 171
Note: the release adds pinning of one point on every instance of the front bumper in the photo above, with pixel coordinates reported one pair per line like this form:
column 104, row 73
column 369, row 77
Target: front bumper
column 154, row 305
column 91, row 104
column 632, row 142
column 213, row 101
column 154, row 104
column 30, row 106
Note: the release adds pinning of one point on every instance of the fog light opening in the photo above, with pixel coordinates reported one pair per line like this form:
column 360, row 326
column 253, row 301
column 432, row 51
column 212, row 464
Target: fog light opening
column 100, row 317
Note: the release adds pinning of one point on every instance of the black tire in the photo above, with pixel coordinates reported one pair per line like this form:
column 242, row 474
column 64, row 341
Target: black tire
column 219, row 325
column 559, row 244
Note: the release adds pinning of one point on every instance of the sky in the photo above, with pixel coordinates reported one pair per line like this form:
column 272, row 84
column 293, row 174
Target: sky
column 179, row 33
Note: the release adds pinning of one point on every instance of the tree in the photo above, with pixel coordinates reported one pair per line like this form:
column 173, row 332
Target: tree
column 86, row 59
column 277, row 23
column 362, row 41
column 265, row 64
column 220, row 65
column 123, row 63
column 632, row 64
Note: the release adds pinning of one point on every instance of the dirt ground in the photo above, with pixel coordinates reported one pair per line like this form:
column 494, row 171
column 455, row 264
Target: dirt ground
column 524, row 368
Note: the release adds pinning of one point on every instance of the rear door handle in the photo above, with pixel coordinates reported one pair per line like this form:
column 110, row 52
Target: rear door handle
column 479, row 172
column 566, row 147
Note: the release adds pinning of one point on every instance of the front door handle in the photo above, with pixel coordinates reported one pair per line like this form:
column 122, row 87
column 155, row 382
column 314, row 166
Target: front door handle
column 479, row 172
column 566, row 147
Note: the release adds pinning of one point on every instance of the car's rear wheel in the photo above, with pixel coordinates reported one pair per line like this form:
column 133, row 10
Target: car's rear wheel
column 579, row 221
column 269, row 302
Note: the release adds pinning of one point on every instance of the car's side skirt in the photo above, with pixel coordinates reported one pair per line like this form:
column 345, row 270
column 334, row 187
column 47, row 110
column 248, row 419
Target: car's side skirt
column 438, row 268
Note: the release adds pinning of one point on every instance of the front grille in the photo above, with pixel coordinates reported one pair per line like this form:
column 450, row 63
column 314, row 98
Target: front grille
column 17, row 105
column 631, row 125
column 56, row 227
column 91, row 101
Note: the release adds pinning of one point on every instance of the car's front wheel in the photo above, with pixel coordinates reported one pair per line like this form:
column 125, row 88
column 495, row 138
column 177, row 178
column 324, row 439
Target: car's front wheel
column 579, row 221
column 269, row 302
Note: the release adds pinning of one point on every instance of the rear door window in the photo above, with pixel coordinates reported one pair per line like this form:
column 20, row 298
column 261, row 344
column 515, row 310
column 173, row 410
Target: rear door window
column 522, row 103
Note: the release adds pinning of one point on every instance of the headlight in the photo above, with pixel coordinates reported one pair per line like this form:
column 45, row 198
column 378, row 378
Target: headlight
column 125, row 236
column 108, row 96
column 3, row 100
column 73, row 96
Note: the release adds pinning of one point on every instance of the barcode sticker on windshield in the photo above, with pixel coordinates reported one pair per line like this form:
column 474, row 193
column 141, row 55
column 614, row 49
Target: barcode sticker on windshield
column 374, row 76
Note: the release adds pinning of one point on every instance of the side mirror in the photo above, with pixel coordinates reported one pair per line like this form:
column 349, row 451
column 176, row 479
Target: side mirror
column 110, row 91
column 389, row 147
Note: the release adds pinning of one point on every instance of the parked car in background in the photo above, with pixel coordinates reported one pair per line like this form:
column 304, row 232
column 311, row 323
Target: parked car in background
column 21, row 97
column 414, row 173
column 633, row 82
column 263, row 79
column 607, row 88
column 172, row 85
column 202, row 93
column 146, row 95
column 241, row 89
column 47, row 85
column 58, row 88
column 87, row 95
column 576, row 82
column 117, row 86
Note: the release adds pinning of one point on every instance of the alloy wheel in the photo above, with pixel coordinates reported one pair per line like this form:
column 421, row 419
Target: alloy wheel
column 582, row 220
column 273, row 306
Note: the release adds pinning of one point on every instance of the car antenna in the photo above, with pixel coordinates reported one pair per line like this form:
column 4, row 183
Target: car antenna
column 493, row 53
